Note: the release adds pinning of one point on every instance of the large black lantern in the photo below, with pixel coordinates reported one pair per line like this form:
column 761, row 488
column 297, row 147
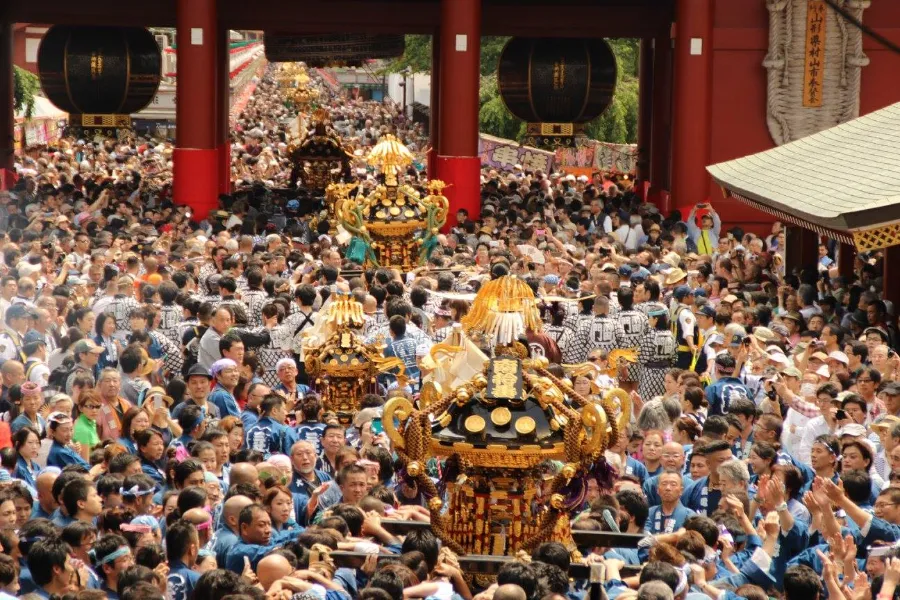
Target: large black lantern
column 556, row 85
column 100, row 75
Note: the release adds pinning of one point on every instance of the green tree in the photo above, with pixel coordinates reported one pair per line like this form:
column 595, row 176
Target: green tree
column 416, row 56
column 26, row 85
column 493, row 116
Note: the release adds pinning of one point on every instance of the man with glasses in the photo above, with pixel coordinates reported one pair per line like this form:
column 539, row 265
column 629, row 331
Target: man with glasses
column 866, row 385
column 113, row 407
column 672, row 460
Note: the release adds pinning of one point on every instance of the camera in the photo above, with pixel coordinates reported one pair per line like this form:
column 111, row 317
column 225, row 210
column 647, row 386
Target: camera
column 841, row 414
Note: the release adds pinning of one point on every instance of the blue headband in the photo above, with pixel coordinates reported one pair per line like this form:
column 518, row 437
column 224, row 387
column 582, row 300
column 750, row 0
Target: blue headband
column 135, row 492
column 117, row 553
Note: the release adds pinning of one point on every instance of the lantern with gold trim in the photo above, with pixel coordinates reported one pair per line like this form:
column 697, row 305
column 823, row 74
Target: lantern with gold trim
column 394, row 225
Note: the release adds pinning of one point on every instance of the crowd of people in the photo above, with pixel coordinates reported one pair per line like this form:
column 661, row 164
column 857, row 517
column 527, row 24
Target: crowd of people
column 160, row 437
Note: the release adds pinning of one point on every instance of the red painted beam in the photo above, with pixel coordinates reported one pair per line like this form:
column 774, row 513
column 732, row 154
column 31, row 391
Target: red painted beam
column 568, row 18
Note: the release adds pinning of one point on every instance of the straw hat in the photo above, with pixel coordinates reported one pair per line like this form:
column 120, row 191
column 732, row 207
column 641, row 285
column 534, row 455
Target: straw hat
column 148, row 365
column 674, row 276
column 158, row 391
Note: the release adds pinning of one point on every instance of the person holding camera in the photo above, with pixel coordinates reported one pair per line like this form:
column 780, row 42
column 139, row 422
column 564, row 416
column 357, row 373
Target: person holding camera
column 707, row 235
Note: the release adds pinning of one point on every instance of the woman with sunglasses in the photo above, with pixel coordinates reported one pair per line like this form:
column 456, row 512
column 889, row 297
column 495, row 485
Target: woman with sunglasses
column 85, row 432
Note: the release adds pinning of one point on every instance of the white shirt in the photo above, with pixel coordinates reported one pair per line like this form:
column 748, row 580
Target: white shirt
column 813, row 429
column 795, row 421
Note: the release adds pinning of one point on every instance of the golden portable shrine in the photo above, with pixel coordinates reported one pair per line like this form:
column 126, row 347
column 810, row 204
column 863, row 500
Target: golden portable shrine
column 497, row 431
column 341, row 367
column 293, row 80
column 394, row 225
column 321, row 159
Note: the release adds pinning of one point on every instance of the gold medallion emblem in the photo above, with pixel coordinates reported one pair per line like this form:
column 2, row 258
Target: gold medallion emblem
column 474, row 424
column 525, row 425
column 501, row 416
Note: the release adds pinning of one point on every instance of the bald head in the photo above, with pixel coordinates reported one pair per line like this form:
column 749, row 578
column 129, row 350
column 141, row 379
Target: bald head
column 13, row 373
column 244, row 473
column 197, row 516
column 272, row 568
column 232, row 510
column 44, row 484
column 509, row 591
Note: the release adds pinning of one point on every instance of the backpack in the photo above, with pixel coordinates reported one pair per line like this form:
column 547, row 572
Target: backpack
column 60, row 375
column 191, row 351
column 31, row 365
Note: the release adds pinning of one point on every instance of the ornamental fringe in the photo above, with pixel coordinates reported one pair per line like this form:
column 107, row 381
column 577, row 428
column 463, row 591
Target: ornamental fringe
column 786, row 62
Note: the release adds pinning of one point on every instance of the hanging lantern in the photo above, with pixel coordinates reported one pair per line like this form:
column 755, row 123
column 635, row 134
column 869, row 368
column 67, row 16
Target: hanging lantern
column 100, row 75
column 556, row 85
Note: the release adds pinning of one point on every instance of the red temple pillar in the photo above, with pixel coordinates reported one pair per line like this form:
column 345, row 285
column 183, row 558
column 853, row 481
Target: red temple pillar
column 434, row 108
column 891, row 278
column 692, row 97
column 661, row 150
column 223, row 116
column 458, row 163
column 801, row 249
column 196, row 157
column 7, row 116
column 846, row 260
column 645, row 110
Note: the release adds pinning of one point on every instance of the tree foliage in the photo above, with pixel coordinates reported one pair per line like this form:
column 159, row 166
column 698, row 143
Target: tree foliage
column 617, row 125
column 26, row 85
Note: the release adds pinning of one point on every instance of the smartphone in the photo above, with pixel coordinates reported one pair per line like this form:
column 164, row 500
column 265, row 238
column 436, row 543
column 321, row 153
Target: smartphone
column 377, row 426
column 157, row 401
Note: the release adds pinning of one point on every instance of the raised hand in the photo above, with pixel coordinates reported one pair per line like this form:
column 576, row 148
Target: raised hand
column 775, row 492
column 892, row 572
column 734, row 505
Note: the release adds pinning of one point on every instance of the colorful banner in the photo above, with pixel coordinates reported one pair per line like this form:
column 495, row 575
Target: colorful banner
column 597, row 156
column 36, row 132
column 506, row 154
column 579, row 156
column 615, row 158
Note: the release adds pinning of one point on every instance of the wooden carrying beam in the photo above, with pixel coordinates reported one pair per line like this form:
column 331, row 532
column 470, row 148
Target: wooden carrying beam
column 606, row 539
column 481, row 565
